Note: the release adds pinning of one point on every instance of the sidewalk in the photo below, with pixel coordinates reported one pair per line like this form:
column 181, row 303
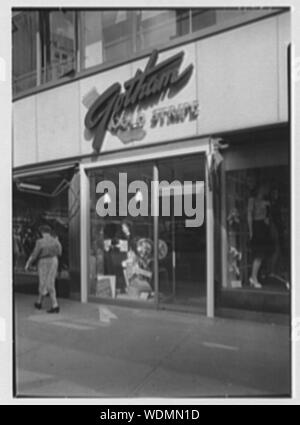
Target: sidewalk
column 124, row 352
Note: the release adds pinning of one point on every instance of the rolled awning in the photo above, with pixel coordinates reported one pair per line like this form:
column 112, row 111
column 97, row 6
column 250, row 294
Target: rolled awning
column 44, row 181
column 44, row 169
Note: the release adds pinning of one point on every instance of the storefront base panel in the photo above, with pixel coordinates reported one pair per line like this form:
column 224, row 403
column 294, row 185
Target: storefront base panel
column 184, row 309
column 75, row 284
column 123, row 303
column 259, row 302
column 148, row 306
column 254, row 316
column 28, row 284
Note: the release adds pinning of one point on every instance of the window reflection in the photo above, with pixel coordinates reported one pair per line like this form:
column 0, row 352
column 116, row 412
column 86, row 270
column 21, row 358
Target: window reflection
column 24, row 52
column 121, row 257
column 58, row 39
column 156, row 26
column 46, row 43
column 107, row 36
column 203, row 18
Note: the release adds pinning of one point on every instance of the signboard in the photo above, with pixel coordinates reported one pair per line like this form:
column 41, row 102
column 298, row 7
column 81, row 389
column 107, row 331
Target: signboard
column 150, row 100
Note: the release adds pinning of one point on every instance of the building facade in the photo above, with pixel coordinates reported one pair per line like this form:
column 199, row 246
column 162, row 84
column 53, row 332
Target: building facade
column 127, row 96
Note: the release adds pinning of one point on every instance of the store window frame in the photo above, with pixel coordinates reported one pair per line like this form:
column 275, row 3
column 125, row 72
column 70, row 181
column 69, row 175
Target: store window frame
column 257, row 15
column 195, row 148
column 235, row 299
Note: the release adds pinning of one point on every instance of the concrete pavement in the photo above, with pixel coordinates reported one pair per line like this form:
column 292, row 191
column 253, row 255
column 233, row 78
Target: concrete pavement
column 122, row 352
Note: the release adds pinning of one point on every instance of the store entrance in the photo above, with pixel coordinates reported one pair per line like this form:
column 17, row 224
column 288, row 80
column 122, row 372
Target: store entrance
column 43, row 199
column 182, row 246
column 123, row 264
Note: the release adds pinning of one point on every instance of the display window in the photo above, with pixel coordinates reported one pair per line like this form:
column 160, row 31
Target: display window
column 122, row 256
column 38, row 201
column 121, row 246
column 258, row 229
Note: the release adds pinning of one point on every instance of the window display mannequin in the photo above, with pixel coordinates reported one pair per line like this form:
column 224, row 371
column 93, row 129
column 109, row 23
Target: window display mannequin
column 276, row 229
column 17, row 246
column 137, row 276
column 113, row 256
column 259, row 229
column 137, row 266
column 277, row 235
column 126, row 229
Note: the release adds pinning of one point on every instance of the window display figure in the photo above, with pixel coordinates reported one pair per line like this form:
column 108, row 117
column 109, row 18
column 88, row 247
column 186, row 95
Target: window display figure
column 28, row 238
column 114, row 256
column 259, row 229
column 137, row 271
column 277, row 235
column 46, row 253
column 137, row 266
column 126, row 230
column 17, row 246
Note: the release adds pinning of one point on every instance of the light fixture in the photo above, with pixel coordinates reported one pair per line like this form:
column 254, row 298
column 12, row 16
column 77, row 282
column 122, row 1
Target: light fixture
column 106, row 198
column 28, row 186
column 139, row 196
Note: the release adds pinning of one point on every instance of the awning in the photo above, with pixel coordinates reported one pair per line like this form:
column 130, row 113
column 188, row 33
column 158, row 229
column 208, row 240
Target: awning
column 47, row 181
column 44, row 169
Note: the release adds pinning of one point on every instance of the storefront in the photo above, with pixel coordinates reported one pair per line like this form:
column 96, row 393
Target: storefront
column 208, row 119
column 46, row 196
column 257, row 162
column 182, row 274
column 152, row 258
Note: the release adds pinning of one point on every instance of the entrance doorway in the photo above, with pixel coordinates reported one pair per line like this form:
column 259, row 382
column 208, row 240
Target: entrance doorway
column 182, row 271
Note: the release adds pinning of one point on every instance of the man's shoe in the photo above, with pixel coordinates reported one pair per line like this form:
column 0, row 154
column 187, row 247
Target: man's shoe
column 53, row 310
column 38, row 306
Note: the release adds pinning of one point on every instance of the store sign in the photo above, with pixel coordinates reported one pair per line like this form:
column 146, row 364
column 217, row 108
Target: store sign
column 131, row 126
column 123, row 113
column 173, row 114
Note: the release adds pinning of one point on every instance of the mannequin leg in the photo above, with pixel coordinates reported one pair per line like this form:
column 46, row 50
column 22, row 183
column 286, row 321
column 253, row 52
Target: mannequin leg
column 254, row 275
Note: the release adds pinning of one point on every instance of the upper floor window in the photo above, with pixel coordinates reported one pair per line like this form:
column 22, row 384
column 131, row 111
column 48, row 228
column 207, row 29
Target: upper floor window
column 44, row 47
column 108, row 36
column 58, row 49
column 105, row 36
column 24, row 53
column 156, row 27
column 52, row 44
